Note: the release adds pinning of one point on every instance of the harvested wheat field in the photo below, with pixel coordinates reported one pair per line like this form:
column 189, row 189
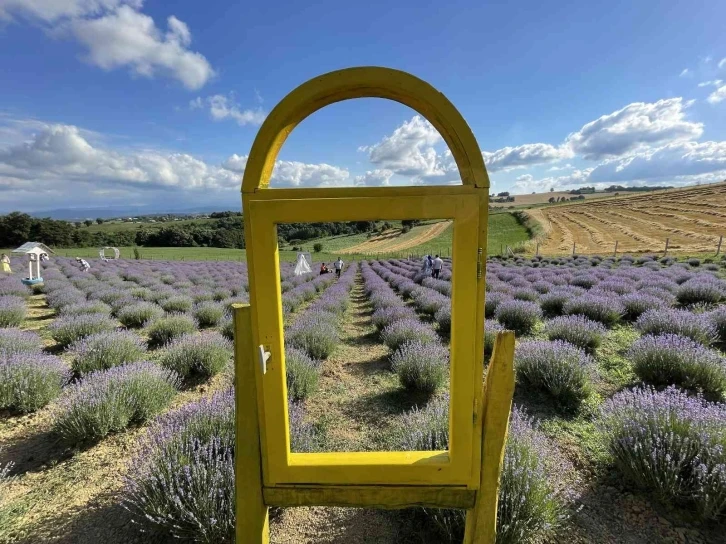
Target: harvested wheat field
column 397, row 240
column 692, row 219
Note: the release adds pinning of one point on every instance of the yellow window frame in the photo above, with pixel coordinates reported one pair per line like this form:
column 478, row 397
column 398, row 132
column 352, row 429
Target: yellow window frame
column 453, row 467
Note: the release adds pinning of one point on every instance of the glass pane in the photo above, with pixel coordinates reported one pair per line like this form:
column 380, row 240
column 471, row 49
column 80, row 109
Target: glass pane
column 367, row 314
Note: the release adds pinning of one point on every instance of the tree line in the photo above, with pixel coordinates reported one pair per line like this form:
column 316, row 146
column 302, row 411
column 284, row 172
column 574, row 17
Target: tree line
column 224, row 230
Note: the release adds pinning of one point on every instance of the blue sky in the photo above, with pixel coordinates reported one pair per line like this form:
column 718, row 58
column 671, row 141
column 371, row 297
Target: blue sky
column 124, row 102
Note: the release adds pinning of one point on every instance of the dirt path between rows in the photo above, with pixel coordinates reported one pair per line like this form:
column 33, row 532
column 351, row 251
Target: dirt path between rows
column 358, row 400
column 386, row 242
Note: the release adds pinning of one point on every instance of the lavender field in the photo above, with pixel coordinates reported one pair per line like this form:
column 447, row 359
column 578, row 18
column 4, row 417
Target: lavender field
column 117, row 413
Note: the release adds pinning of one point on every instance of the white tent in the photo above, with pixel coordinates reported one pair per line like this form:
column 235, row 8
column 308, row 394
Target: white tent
column 303, row 264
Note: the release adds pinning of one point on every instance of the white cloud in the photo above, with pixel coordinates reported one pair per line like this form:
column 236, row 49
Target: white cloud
column 560, row 168
column 527, row 184
column 722, row 62
column 664, row 163
column 49, row 11
column 717, row 96
column 509, row 158
column 374, row 178
column 299, row 174
column 525, row 178
column 235, row 163
column 409, row 151
column 116, row 34
column 715, row 83
column 685, row 73
column 636, row 125
column 223, row 107
column 128, row 38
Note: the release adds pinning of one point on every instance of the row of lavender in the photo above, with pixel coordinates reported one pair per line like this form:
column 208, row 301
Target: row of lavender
column 668, row 439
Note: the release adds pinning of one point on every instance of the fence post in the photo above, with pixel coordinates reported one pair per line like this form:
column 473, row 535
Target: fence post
column 718, row 249
column 666, row 247
column 615, row 253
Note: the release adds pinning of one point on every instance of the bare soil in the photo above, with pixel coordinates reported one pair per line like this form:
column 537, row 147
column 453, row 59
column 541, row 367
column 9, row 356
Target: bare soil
column 692, row 219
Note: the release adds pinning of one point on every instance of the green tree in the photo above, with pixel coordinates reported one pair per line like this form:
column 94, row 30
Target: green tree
column 317, row 247
column 15, row 229
column 99, row 221
column 88, row 222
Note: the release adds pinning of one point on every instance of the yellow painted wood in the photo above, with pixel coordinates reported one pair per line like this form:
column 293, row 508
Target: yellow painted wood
column 454, row 468
column 251, row 512
column 467, row 475
column 481, row 520
column 386, row 497
column 360, row 82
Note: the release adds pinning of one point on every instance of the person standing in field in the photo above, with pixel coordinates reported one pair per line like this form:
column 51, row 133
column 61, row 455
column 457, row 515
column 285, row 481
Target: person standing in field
column 426, row 268
column 5, row 261
column 338, row 267
column 84, row 264
column 436, row 267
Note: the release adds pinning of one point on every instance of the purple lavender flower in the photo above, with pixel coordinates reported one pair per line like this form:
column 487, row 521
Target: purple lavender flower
column 12, row 311
column 681, row 322
column 519, row 316
column 29, row 381
column 14, row 341
column 407, row 330
column 165, row 329
column 67, row 329
column 606, row 310
column 137, row 315
column 203, row 354
column 302, row 373
column 110, row 400
column 421, row 366
column 671, row 359
column 576, row 330
column 559, row 368
column 717, row 318
column 104, row 350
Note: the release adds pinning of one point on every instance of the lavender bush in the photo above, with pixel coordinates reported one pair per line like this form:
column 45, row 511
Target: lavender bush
column 519, row 316
column 317, row 335
column 531, row 498
column 421, row 366
column 137, row 315
column 302, row 374
column 576, row 330
column 492, row 300
column 208, row 314
column 29, row 381
column 68, row 329
column 717, row 318
column 105, row 350
column 407, row 330
column 88, row 307
column 635, row 304
column 203, row 354
column 670, row 443
column 12, row 311
column 443, row 319
column 14, row 341
column 177, row 304
column 167, row 328
column 670, row 359
column 383, row 317
column 110, row 400
column 606, row 310
column 553, row 302
column 491, row 328
column 701, row 289
column 181, row 483
column 681, row 322
column 558, row 368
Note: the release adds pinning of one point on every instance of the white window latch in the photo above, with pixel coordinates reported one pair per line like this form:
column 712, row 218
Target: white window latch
column 263, row 356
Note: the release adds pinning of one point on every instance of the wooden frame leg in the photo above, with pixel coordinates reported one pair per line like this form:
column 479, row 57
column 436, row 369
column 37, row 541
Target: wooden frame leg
column 481, row 520
column 252, row 526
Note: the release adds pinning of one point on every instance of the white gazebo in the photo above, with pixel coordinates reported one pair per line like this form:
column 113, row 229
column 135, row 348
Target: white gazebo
column 36, row 253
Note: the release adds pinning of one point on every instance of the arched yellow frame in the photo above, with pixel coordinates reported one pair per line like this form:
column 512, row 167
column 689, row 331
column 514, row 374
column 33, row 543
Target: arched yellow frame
column 364, row 82
column 455, row 478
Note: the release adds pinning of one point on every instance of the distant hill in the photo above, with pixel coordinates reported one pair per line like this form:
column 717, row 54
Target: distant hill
column 81, row 214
